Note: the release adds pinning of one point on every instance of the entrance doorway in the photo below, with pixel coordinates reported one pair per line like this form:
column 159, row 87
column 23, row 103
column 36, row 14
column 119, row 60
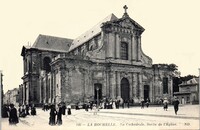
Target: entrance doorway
column 125, row 89
column 146, row 92
column 97, row 91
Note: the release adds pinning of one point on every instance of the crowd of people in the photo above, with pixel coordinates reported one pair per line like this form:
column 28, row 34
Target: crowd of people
column 56, row 111
column 175, row 103
column 106, row 103
column 10, row 112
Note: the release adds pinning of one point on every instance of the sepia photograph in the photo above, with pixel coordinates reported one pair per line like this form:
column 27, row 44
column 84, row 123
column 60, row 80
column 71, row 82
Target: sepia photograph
column 100, row 65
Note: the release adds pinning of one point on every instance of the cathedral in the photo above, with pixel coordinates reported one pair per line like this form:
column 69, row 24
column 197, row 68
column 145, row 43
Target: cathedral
column 107, row 61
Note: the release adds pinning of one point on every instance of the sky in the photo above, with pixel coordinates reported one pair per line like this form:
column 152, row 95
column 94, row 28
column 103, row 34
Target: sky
column 171, row 35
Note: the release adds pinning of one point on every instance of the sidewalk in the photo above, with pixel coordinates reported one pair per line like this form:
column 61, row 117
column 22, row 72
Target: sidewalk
column 185, row 111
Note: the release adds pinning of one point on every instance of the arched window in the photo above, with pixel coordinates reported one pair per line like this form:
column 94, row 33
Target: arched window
column 46, row 64
column 124, row 51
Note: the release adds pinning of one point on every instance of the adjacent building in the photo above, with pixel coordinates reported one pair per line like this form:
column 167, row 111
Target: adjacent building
column 188, row 91
column 11, row 97
column 107, row 61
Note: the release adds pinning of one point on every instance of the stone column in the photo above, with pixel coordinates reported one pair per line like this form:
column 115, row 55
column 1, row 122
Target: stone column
column 118, row 43
column 53, row 87
column 134, row 48
column 69, row 90
column 129, row 50
column 131, row 85
column 86, row 77
column 153, row 91
column 40, row 90
column 110, row 45
column 112, row 85
column 118, row 84
column 24, row 93
column 161, row 87
column 45, row 90
column 134, row 84
column 27, row 93
column 150, row 92
column 170, row 86
column 139, row 49
column 141, row 87
column 104, row 85
column 50, row 88
column 107, row 84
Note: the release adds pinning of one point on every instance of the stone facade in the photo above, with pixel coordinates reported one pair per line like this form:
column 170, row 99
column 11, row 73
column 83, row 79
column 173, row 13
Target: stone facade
column 188, row 91
column 11, row 97
column 106, row 61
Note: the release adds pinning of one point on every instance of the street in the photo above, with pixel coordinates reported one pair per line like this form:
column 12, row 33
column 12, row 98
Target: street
column 153, row 117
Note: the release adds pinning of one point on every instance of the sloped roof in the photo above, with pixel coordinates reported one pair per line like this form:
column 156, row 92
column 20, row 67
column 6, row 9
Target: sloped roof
column 190, row 82
column 91, row 33
column 52, row 43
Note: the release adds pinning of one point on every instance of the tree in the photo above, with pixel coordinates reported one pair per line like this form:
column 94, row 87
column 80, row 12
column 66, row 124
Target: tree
column 173, row 67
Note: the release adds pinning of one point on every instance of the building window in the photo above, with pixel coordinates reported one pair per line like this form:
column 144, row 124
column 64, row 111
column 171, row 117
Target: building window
column 124, row 51
column 165, row 85
column 46, row 64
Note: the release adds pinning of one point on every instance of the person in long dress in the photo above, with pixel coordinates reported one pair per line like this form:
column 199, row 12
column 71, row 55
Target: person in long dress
column 33, row 110
column 5, row 111
column 69, row 109
column 63, row 106
column 22, row 112
column 165, row 104
column 142, row 103
column 13, row 118
column 59, row 115
column 52, row 118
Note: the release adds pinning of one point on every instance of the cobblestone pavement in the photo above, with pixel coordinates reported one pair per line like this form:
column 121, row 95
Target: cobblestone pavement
column 153, row 118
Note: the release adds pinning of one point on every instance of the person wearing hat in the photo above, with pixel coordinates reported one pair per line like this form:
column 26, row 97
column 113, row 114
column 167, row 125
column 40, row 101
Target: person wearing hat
column 69, row 109
column 33, row 110
column 176, row 103
column 59, row 115
column 165, row 103
column 13, row 118
column 52, row 114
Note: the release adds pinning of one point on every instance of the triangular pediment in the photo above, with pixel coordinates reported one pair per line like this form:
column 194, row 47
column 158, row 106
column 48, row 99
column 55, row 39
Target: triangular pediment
column 126, row 22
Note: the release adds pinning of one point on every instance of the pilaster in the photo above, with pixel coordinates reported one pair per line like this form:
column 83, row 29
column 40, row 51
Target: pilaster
column 141, row 87
column 134, row 48
column 118, row 43
column 110, row 45
column 112, row 84
column 118, row 84
column 107, row 84
column 139, row 49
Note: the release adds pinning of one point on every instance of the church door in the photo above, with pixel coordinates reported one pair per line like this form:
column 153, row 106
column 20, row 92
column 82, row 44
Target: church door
column 146, row 92
column 97, row 91
column 125, row 90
